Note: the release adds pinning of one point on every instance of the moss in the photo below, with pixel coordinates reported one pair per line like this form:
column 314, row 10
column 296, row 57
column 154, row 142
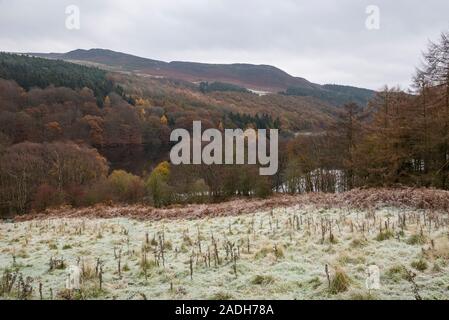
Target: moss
column 66, row 247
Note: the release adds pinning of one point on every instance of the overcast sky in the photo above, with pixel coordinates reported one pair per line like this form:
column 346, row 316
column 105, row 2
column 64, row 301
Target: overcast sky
column 325, row 41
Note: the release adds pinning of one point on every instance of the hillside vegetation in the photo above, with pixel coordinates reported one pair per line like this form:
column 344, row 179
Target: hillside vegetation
column 60, row 146
column 257, row 77
column 334, row 94
column 30, row 72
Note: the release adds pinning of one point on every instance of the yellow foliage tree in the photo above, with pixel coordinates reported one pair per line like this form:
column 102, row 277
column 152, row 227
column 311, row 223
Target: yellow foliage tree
column 125, row 186
column 164, row 120
column 157, row 184
column 142, row 102
column 107, row 102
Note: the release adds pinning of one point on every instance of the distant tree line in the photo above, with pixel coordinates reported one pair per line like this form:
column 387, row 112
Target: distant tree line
column 263, row 121
column 206, row 87
column 334, row 94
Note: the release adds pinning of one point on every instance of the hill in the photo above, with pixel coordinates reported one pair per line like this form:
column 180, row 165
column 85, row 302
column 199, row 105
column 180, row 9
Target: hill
column 255, row 77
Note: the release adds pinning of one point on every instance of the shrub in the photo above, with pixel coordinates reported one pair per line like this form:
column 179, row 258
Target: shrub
column 157, row 185
column 47, row 196
column 198, row 191
column 263, row 187
column 125, row 187
column 76, row 195
column 98, row 192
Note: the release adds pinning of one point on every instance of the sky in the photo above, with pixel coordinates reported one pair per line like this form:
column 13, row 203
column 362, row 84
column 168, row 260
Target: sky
column 324, row 41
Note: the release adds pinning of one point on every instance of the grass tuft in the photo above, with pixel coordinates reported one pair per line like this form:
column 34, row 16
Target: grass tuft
column 262, row 280
column 420, row 265
column 340, row 282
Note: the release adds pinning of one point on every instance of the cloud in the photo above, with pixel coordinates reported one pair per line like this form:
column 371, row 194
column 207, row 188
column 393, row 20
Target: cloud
column 324, row 41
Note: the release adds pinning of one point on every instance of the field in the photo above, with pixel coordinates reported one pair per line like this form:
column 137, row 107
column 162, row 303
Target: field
column 278, row 251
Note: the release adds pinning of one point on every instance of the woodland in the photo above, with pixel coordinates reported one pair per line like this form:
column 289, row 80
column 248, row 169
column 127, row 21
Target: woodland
column 78, row 135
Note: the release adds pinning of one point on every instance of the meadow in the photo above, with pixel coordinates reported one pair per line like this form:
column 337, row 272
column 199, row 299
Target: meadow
column 299, row 251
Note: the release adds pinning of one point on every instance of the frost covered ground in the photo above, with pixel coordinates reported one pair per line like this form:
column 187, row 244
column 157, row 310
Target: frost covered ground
column 279, row 253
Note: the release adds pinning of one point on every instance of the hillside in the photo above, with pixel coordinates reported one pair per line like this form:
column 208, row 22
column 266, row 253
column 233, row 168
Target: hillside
column 256, row 77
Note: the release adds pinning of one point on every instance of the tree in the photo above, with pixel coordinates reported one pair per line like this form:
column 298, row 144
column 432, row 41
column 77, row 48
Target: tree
column 347, row 134
column 125, row 187
column 157, row 184
column 435, row 73
column 26, row 166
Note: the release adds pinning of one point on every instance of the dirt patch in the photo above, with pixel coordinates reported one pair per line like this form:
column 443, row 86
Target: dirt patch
column 430, row 199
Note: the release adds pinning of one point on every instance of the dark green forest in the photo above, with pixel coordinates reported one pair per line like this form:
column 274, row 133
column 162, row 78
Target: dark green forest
column 31, row 72
column 334, row 94
column 220, row 86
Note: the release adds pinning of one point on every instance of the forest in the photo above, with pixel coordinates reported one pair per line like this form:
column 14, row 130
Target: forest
column 76, row 135
column 334, row 94
column 31, row 72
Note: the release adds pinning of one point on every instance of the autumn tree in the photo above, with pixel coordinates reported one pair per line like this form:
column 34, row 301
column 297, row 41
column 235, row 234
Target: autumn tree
column 126, row 187
column 435, row 74
column 157, row 184
column 24, row 167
